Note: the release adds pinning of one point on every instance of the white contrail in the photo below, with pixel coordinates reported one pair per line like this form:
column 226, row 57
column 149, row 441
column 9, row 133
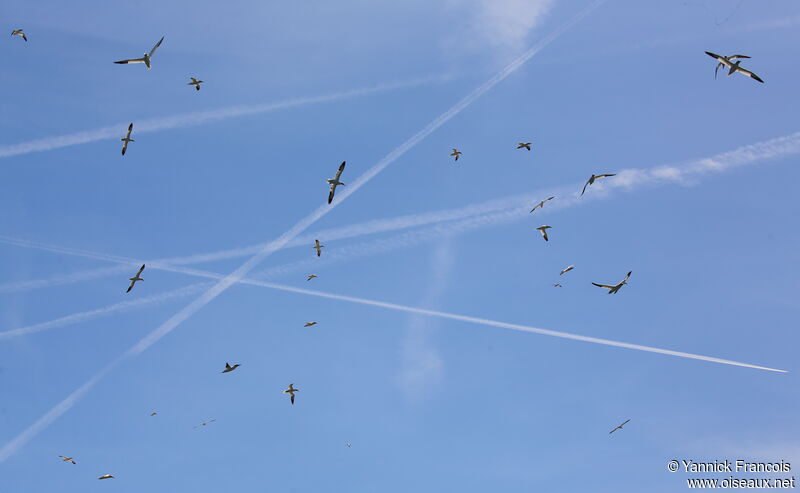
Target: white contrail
column 434, row 313
column 105, row 311
column 197, row 118
column 281, row 241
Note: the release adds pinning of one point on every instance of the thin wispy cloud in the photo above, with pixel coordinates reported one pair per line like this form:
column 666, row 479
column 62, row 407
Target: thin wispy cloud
column 238, row 274
column 199, row 118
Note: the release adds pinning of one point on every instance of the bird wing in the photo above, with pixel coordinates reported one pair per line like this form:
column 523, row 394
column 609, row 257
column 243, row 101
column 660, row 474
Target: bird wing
column 603, row 286
column 132, row 60
column 586, row 185
column 339, row 171
column 332, row 192
column 140, row 270
column 540, row 204
column 130, row 287
column 292, row 398
column 734, row 57
column 124, row 147
column 750, row 74
column 605, row 175
column 718, row 57
column 130, row 129
column 627, row 276
column 626, row 421
column 544, row 234
column 156, row 46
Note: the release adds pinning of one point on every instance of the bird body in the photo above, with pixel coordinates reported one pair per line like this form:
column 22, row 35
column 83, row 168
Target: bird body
column 456, row 153
column 311, row 276
column 20, row 33
column 196, row 83
column 309, row 324
column 524, row 145
column 125, row 140
column 616, row 287
column 135, row 278
column 541, row 204
column 334, row 182
column 595, row 177
column 105, row 476
column 67, row 459
column 318, row 247
column 204, row 423
column 727, row 61
column 565, row 270
column 291, row 390
column 145, row 58
column 229, row 368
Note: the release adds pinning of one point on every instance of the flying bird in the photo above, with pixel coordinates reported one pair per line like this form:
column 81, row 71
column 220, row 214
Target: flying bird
column 230, row 368
column 556, row 285
column 311, row 276
column 335, row 182
column 127, row 139
column 595, row 177
column 204, row 423
column 456, row 153
column 309, row 324
column 613, row 289
column 618, row 427
column 726, row 61
column 146, row 57
column 135, row 278
column 196, row 83
column 566, row 269
column 543, row 230
column 541, row 204
column 291, row 390
column 105, row 476
column 526, row 145
column 67, row 459
column 349, row 445
column 318, row 247
column 20, row 33
column 153, row 413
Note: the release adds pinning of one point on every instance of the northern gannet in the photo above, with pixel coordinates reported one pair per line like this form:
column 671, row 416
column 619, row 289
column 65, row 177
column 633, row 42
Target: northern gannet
column 595, row 177
column 566, row 269
column 196, row 83
column 67, row 459
column 526, row 145
column 20, row 33
column 613, row 289
column 318, row 247
column 309, row 324
column 311, row 276
column 127, row 139
column 543, row 230
column 204, row 423
column 146, row 57
column 105, row 476
column 335, row 182
column 291, row 390
column 726, row 61
column 456, row 153
column 230, row 368
column 135, row 278
column 618, row 427
column 541, row 204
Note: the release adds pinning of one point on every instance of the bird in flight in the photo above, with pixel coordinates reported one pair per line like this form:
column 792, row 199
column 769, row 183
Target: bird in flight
column 127, row 139
column 726, row 61
column 67, row 459
column 204, row 423
column 335, row 181
column 20, row 33
column 105, row 476
column 543, row 230
column 349, row 445
column 456, row 153
column 613, row 289
column 541, row 204
column 565, row 270
column 135, row 278
column 556, row 285
column 311, row 276
column 525, row 145
column 230, row 368
column 618, row 427
column 146, row 57
column 309, row 324
column 318, row 247
column 291, row 390
column 196, row 83
column 153, row 413
column 595, row 177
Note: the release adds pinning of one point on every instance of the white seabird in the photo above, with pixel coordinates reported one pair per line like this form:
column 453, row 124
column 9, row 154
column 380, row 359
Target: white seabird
column 726, row 61
column 127, row 139
column 20, row 33
column 618, row 427
column 335, row 182
column 613, row 289
column 135, row 278
column 543, row 230
column 456, row 153
column 291, row 390
column 318, row 247
column 105, row 476
column 146, row 57
column 566, row 269
column 196, row 83
column 541, row 204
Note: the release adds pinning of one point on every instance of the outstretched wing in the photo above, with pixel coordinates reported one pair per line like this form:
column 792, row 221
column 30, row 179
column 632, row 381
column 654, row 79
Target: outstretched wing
column 124, row 147
column 339, row 171
column 132, row 60
column 733, row 57
column 156, row 46
column 603, row 286
column 130, row 287
column 750, row 74
column 714, row 55
column 584, row 187
column 605, row 175
column 130, row 129
column 330, row 196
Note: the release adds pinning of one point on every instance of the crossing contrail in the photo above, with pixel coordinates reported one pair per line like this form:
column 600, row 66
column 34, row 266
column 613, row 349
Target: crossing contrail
column 238, row 274
column 199, row 118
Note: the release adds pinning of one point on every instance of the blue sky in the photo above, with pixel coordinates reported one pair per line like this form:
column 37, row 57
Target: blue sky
column 428, row 403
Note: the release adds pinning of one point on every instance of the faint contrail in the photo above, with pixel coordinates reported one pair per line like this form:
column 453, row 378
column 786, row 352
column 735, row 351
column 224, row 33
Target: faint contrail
column 282, row 240
column 446, row 221
column 105, row 311
column 197, row 118
column 434, row 313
